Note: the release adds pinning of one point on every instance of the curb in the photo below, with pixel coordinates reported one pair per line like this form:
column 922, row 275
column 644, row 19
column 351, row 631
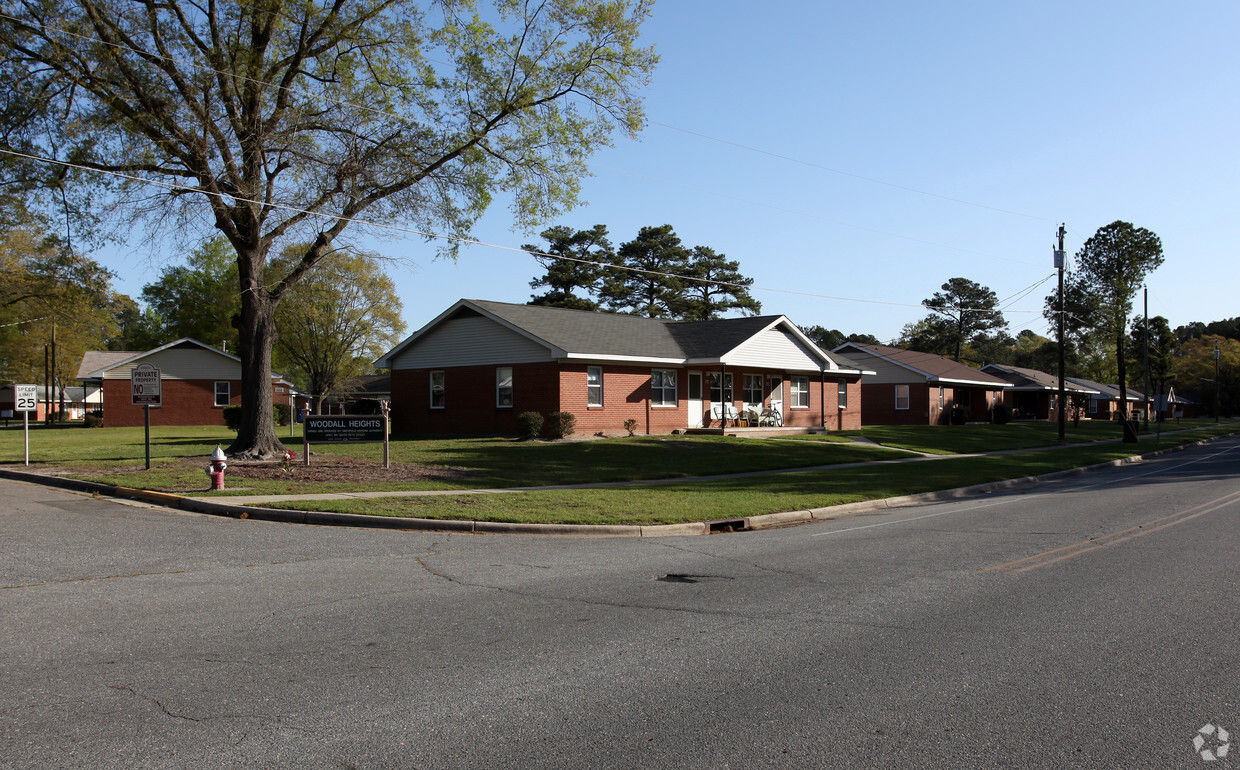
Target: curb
column 763, row 521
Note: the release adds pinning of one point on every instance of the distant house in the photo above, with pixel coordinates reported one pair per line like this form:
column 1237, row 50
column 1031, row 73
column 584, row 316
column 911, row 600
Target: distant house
column 911, row 388
column 1105, row 402
column 77, row 402
column 359, row 395
column 1034, row 394
column 480, row 364
column 197, row 382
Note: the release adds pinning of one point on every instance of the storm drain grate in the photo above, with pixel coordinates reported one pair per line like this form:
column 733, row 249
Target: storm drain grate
column 727, row 525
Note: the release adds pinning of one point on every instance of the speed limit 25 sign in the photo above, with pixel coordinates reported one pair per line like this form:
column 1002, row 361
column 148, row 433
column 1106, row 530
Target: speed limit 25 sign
column 25, row 398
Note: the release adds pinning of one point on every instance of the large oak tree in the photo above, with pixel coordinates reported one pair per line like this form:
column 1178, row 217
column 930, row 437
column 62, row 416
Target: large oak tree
column 281, row 122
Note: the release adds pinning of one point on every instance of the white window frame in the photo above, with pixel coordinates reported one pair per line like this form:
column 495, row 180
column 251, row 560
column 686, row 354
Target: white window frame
column 799, row 392
column 659, row 388
column 594, row 391
column 441, row 389
column 908, row 398
column 725, row 393
column 503, row 387
column 227, row 392
column 841, row 389
column 752, row 385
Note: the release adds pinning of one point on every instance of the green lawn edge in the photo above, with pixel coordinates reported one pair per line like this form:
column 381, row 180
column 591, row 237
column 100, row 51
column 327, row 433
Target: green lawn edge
column 751, row 496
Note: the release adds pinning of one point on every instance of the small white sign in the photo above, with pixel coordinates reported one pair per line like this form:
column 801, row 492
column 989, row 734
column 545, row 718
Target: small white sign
column 26, row 398
column 144, row 382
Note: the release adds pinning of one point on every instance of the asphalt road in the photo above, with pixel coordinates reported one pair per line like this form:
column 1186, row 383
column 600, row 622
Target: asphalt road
column 1090, row 622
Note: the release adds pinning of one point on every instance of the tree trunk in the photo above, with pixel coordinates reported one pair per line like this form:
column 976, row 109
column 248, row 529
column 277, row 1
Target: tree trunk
column 256, row 438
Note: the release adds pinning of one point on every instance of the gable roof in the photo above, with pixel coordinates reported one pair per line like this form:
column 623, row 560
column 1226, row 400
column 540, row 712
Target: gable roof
column 1104, row 392
column 585, row 334
column 96, row 362
column 933, row 368
column 1031, row 379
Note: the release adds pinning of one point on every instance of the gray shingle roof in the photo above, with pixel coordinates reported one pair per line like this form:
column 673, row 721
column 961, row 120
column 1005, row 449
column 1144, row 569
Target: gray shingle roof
column 936, row 367
column 1023, row 378
column 597, row 333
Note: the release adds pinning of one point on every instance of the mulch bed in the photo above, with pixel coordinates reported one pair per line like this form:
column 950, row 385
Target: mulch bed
column 331, row 469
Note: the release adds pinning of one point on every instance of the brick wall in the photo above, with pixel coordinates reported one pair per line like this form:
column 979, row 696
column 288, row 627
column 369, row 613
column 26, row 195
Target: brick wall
column 469, row 400
column 878, row 404
column 185, row 402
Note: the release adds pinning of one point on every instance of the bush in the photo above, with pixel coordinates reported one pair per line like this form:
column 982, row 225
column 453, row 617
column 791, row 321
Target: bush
column 630, row 425
column 529, row 425
column 960, row 415
column 283, row 412
column 563, row 424
column 1002, row 414
column 93, row 420
column 232, row 416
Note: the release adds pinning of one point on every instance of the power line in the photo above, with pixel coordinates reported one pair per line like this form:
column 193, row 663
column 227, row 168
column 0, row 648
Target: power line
column 768, row 153
column 457, row 239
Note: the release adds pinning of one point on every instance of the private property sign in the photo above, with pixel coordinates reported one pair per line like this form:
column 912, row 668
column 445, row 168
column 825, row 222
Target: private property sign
column 344, row 429
column 145, row 385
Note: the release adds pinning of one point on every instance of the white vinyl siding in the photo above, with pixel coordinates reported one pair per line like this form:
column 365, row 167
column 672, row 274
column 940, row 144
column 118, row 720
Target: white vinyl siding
column 594, row 386
column 471, row 341
column 183, row 363
column 503, row 386
column 774, row 349
column 902, row 397
column 438, row 393
column 222, row 393
column 663, row 387
column 800, row 392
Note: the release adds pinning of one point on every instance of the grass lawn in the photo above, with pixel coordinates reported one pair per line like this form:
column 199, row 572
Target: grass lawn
column 179, row 456
column 730, row 498
column 116, row 456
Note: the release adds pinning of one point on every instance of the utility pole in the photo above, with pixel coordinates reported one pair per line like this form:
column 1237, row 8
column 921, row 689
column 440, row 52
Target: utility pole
column 1059, row 262
column 1146, row 294
column 1217, row 385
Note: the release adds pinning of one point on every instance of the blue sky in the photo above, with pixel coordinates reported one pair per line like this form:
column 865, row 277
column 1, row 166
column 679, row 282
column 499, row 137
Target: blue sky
column 854, row 156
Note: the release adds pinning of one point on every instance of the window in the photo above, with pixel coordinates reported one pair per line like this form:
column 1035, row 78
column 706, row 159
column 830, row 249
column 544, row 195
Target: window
column 1093, row 406
column 715, row 395
column 901, row 397
column 842, row 390
column 222, row 396
column 753, row 388
column 942, row 397
column 437, row 390
column 800, row 392
column 663, row 387
column 503, row 386
column 594, row 386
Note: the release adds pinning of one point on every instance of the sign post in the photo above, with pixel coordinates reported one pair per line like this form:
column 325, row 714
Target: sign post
column 26, row 400
column 144, row 384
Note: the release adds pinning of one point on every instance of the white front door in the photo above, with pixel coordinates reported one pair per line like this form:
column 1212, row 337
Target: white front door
column 696, row 410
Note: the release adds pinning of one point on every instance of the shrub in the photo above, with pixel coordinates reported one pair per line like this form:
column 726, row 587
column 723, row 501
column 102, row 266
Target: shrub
column 630, row 425
column 529, row 425
column 563, row 424
column 232, row 416
column 93, row 420
column 960, row 415
column 283, row 412
column 1002, row 414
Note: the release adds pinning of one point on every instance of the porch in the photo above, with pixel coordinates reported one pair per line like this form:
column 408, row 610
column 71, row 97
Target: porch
column 764, row 431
